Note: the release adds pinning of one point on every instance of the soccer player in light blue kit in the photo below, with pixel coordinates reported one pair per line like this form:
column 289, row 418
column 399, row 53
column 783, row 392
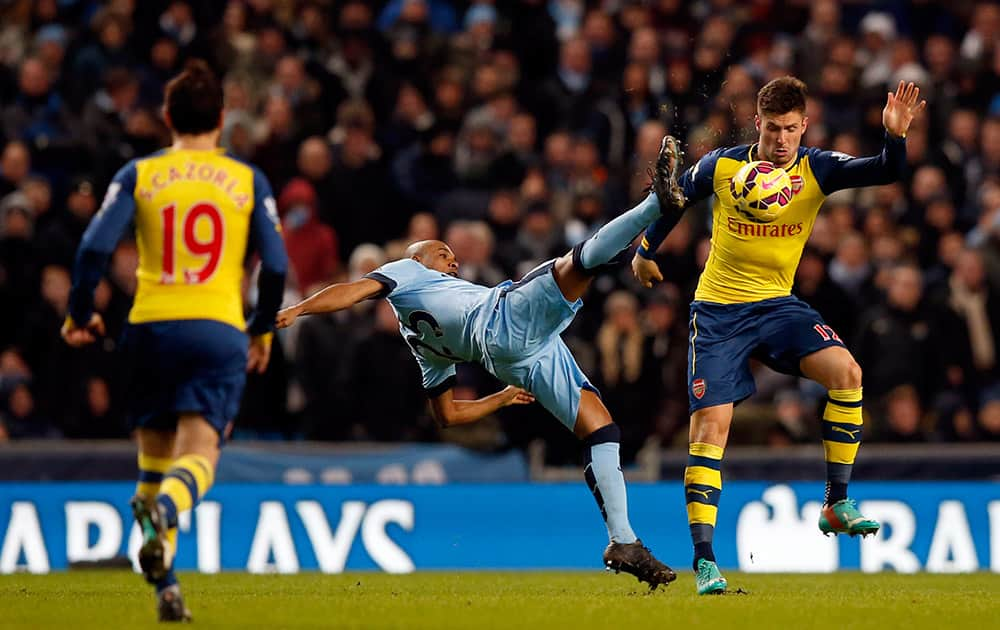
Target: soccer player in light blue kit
column 513, row 330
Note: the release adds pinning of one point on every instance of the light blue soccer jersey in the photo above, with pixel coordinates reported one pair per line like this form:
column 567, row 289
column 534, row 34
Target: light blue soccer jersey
column 441, row 317
column 511, row 329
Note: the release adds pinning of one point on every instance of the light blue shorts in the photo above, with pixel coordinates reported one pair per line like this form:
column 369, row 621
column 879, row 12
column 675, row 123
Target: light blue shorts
column 524, row 346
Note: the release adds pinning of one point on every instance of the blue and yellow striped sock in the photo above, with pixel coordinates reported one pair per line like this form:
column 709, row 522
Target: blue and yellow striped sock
column 702, row 487
column 187, row 481
column 151, row 471
column 842, row 420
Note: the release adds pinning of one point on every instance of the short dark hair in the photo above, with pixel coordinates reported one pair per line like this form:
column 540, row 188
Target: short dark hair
column 193, row 99
column 782, row 95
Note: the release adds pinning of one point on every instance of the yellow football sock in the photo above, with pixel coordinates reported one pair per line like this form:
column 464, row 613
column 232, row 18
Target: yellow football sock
column 187, row 481
column 842, row 420
column 703, row 484
column 151, row 471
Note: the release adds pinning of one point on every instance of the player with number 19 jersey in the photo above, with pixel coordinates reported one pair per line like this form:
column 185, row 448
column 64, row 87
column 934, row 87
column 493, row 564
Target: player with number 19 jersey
column 196, row 215
column 194, row 211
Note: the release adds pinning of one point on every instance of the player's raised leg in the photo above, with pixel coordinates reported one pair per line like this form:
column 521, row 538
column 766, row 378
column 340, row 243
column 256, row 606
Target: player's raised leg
column 703, row 488
column 836, row 369
column 603, row 472
column 609, row 246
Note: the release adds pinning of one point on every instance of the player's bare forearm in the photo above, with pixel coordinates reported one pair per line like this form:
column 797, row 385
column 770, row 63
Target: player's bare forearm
column 450, row 412
column 335, row 297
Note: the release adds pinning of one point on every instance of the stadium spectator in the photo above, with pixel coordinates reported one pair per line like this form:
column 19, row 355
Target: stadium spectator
column 903, row 417
column 976, row 305
column 989, row 418
column 38, row 115
column 15, row 165
column 381, row 362
column 311, row 245
column 108, row 50
column 20, row 419
column 815, row 287
column 898, row 342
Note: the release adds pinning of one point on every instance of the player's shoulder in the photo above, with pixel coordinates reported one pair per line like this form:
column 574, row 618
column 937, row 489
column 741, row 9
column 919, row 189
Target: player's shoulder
column 815, row 154
column 149, row 158
column 403, row 268
column 740, row 153
column 127, row 174
column 722, row 163
column 399, row 275
column 244, row 163
column 407, row 265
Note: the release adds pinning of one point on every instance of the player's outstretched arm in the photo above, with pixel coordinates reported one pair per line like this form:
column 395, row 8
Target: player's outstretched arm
column 836, row 171
column 335, row 297
column 448, row 412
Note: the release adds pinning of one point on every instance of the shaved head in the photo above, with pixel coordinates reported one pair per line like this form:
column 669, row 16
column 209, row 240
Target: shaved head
column 434, row 255
column 421, row 249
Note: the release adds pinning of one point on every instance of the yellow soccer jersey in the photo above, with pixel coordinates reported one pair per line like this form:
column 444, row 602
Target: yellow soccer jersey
column 748, row 261
column 195, row 212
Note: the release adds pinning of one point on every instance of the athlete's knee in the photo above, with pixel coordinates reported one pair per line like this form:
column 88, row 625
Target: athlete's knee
column 592, row 416
column 607, row 433
column 565, row 263
column 196, row 436
column 848, row 375
column 711, row 424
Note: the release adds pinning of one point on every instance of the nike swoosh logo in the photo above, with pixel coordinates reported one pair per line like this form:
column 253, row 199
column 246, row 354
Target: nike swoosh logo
column 768, row 185
column 843, row 430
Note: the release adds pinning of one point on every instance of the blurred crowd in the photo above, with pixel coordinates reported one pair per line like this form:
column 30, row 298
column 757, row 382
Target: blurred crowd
column 512, row 129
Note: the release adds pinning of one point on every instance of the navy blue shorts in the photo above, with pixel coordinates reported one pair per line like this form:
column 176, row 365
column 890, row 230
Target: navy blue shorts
column 724, row 337
column 191, row 366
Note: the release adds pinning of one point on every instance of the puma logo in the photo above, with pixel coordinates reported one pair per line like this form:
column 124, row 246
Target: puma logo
column 843, row 430
column 855, row 521
column 703, row 493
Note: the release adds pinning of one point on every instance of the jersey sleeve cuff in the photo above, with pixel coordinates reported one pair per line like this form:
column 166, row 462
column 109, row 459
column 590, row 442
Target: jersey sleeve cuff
column 440, row 388
column 644, row 250
column 388, row 284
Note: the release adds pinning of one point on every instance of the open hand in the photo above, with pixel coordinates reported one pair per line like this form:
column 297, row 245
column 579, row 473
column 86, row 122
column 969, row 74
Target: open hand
column 78, row 336
column 516, row 396
column 901, row 108
column 646, row 271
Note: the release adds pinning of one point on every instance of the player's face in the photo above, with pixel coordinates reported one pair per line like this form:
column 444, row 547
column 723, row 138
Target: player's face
column 780, row 136
column 442, row 259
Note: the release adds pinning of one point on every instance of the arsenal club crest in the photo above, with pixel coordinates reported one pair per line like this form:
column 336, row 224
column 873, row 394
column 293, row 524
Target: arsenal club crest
column 698, row 388
column 797, row 184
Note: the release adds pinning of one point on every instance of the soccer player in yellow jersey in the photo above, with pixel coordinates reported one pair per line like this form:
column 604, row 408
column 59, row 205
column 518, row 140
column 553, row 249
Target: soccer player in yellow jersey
column 197, row 214
column 744, row 309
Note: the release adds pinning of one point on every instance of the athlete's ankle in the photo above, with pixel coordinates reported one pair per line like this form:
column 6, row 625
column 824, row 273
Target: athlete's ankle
column 703, row 551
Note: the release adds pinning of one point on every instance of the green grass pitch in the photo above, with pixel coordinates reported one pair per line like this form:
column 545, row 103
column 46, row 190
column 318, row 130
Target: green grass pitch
column 577, row 600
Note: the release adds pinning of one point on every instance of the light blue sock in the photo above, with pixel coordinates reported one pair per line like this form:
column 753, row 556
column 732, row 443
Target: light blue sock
column 604, row 476
column 619, row 233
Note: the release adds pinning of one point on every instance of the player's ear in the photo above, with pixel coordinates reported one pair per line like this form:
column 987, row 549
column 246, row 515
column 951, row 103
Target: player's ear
column 756, row 121
column 805, row 123
column 166, row 117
